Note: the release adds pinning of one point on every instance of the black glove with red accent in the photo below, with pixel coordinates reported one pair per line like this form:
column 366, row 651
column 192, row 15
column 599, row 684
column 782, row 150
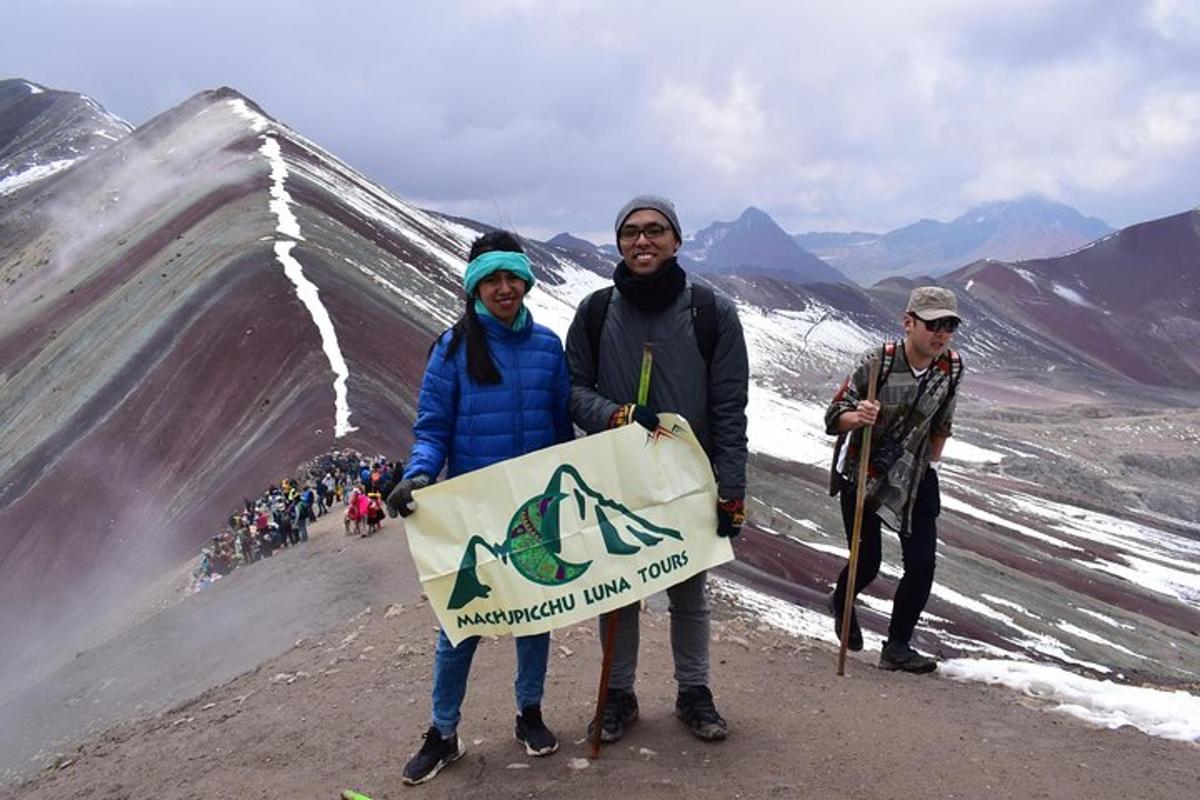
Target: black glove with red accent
column 731, row 516
column 631, row 412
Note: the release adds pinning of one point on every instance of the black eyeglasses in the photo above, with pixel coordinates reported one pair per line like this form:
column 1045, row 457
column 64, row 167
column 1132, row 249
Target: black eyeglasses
column 947, row 324
column 630, row 233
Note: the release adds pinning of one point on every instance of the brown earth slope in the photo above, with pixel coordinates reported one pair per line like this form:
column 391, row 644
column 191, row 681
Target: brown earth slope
column 345, row 708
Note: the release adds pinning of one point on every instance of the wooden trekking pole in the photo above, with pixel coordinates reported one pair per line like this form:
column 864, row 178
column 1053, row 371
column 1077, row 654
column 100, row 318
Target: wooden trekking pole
column 610, row 625
column 610, row 640
column 864, row 458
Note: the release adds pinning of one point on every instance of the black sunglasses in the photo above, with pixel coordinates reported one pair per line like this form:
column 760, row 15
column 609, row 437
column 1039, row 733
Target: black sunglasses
column 947, row 324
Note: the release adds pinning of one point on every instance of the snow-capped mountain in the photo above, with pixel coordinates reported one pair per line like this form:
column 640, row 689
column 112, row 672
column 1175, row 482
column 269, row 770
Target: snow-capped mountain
column 43, row 131
column 1029, row 227
column 186, row 312
column 754, row 244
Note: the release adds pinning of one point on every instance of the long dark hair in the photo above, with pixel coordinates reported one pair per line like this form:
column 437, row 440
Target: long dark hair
column 480, row 366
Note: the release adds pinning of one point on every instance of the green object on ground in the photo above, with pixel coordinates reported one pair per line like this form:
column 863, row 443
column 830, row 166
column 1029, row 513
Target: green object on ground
column 350, row 794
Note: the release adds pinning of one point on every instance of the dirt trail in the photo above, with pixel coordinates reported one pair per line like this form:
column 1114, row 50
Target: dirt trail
column 345, row 708
column 174, row 646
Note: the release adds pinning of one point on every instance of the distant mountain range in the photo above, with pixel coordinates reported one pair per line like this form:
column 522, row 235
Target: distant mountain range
column 754, row 245
column 1030, row 227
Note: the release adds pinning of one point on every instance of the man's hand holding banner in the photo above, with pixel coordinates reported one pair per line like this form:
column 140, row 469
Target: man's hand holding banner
column 566, row 533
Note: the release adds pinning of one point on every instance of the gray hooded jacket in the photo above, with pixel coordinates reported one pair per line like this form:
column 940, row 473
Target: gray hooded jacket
column 712, row 400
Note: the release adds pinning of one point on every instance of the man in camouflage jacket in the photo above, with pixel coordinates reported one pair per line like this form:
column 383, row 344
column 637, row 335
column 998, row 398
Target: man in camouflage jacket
column 911, row 419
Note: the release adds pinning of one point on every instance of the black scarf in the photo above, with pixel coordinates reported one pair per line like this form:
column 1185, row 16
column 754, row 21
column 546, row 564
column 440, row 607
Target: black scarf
column 651, row 293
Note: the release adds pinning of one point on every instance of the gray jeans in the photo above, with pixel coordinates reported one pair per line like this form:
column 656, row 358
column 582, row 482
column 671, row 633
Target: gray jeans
column 689, row 636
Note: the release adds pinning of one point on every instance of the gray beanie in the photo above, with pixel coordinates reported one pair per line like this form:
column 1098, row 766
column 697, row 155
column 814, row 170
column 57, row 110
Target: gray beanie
column 652, row 201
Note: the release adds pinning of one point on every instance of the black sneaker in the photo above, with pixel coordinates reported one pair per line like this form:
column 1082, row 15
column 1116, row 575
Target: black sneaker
column 694, row 706
column 435, row 754
column 855, row 642
column 620, row 709
column 899, row 656
column 533, row 733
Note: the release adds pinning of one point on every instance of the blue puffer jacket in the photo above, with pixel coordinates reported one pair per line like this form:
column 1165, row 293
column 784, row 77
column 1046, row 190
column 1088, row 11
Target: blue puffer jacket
column 474, row 425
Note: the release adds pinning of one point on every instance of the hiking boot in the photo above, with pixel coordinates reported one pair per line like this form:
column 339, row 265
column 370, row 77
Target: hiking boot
column 899, row 656
column 855, row 642
column 620, row 709
column 533, row 733
column 435, row 754
column 694, row 706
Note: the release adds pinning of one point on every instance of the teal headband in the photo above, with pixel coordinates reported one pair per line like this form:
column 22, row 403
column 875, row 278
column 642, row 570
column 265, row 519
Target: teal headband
column 494, row 261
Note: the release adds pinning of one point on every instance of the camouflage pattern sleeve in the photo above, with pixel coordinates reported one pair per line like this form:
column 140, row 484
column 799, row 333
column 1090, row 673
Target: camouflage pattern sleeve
column 943, row 424
column 848, row 394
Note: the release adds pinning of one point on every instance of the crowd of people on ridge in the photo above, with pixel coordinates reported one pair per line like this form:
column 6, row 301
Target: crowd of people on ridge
column 279, row 517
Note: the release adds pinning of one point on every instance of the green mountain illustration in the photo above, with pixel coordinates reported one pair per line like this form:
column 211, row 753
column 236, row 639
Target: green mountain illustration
column 534, row 544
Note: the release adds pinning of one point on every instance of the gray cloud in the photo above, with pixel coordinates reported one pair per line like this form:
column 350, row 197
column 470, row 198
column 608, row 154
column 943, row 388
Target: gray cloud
column 547, row 115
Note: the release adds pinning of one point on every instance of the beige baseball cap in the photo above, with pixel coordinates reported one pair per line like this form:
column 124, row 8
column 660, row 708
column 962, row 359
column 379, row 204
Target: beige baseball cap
column 932, row 302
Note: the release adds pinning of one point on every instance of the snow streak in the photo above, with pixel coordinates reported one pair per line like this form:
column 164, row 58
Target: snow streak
column 307, row 291
column 281, row 201
column 288, row 226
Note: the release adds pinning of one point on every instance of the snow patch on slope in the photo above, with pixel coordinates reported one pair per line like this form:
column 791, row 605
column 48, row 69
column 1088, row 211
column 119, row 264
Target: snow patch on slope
column 34, row 174
column 793, row 430
column 1071, row 296
column 1166, row 714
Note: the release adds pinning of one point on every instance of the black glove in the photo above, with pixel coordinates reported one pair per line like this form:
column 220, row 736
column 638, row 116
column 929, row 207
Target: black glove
column 731, row 516
column 631, row 412
column 400, row 500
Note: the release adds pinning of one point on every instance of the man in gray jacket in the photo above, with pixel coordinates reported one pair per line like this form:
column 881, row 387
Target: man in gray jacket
column 701, row 372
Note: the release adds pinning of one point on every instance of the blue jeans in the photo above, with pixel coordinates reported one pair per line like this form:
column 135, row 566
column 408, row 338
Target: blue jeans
column 452, row 665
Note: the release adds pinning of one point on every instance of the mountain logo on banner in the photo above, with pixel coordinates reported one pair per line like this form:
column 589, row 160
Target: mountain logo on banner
column 534, row 545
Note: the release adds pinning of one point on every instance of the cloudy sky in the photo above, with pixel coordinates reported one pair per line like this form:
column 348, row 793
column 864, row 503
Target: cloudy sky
column 547, row 115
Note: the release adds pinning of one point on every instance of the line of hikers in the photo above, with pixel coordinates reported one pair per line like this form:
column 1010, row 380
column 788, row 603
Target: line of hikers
column 279, row 517
column 497, row 385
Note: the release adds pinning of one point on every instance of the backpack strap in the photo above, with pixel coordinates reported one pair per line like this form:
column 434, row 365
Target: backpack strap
column 704, row 320
column 593, row 321
column 887, row 360
column 457, row 331
column 956, row 372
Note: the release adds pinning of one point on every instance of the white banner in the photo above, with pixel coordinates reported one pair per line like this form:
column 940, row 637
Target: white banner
column 557, row 536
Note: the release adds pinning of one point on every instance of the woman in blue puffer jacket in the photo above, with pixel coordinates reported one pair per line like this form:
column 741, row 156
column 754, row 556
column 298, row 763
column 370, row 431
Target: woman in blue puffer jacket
column 496, row 387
